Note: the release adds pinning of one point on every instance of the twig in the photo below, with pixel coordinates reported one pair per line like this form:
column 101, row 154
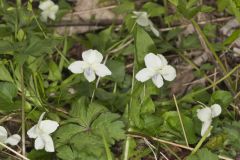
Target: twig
column 180, row 118
column 10, row 149
column 94, row 10
column 107, row 22
column 151, row 147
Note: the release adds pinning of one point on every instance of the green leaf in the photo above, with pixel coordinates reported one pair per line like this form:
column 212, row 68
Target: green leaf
column 235, row 35
column 206, row 9
column 143, row 44
column 124, row 7
column 39, row 155
column 216, row 142
column 38, row 46
column 153, row 9
column 172, row 125
column 82, row 137
column 118, row 70
column 222, row 5
column 147, row 106
column 235, row 9
column 203, row 154
column 101, row 41
column 233, row 133
column 7, row 93
column 190, row 42
column 175, row 2
column 4, row 73
column 54, row 72
column 5, row 47
column 221, row 97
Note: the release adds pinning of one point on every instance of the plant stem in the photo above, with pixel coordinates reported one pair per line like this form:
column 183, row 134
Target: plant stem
column 181, row 122
column 23, row 112
column 126, row 150
column 202, row 140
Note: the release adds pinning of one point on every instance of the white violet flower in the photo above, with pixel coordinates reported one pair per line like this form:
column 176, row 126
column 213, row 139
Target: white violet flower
column 157, row 69
column 143, row 20
column 41, row 133
column 206, row 115
column 49, row 10
column 90, row 65
column 12, row 140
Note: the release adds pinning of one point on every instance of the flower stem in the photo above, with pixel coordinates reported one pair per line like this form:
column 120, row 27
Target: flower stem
column 202, row 140
column 181, row 122
column 23, row 112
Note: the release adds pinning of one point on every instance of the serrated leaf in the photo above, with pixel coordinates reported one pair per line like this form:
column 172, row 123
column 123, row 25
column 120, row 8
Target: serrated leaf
column 84, row 134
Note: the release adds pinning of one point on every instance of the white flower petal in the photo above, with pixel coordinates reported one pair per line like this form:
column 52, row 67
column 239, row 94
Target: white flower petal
column 92, row 56
column 152, row 61
column 142, row 18
column 39, row 143
column 216, row 110
column 168, row 73
column 205, row 126
column 46, row 4
column 32, row 133
column 13, row 140
column 48, row 126
column 54, row 9
column 48, row 143
column 101, row 70
column 154, row 30
column 89, row 74
column 204, row 114
column 144, row 75
column 77, row 66
column 41, row 118
column 52, row 15
column 157, row 80
column 3, row 134
column 163, row 59
column 44, row 16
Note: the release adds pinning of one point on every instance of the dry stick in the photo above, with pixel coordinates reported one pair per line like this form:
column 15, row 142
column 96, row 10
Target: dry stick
column 95, row 9
column 110, row 22
column 131, row 134
column 10, row 149
column 151, row 147
column 9, row 154
column 180, row 118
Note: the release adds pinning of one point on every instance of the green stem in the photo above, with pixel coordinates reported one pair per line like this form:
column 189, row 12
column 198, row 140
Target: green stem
column 23, row 112
column 202, row 140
